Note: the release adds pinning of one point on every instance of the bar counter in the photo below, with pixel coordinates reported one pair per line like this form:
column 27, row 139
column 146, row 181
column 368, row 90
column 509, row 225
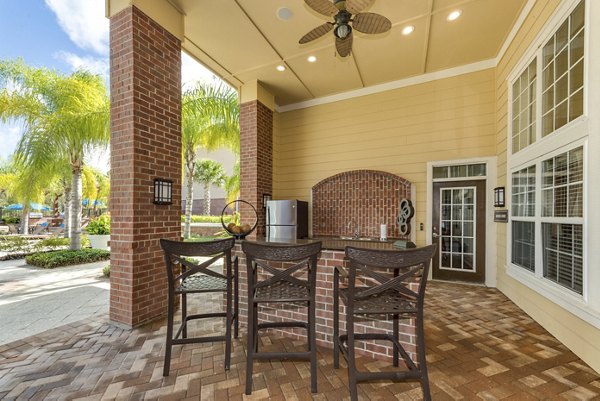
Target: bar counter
column 332, row 254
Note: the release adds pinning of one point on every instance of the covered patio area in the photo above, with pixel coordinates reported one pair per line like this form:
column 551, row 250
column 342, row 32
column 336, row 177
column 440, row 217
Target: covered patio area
column 480, row 345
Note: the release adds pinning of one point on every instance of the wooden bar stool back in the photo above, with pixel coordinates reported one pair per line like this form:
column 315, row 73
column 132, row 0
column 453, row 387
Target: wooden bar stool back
column 187, row 276
column 382, row 284
column 281, row 274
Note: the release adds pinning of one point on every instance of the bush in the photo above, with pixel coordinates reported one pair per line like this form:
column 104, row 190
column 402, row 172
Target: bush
column 99, row 226
column 54, row 259
column 209, row 219
column 106, row 271
column 12, row 220
column 53, row 242
column 13, row 243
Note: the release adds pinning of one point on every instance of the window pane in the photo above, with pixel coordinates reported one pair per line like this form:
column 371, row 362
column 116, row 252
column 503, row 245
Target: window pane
column 523, row 192
column 440, row 172
column 577, row 18
column 563, row 254
column 562, row 183
column 523, row 108
column 523, row 244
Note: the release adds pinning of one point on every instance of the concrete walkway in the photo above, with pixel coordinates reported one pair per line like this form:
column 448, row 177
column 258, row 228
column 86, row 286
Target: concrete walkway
column 33, row 299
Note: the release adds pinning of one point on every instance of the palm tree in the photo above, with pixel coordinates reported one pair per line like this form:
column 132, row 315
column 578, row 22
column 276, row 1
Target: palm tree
column 210, row 120
column 232, row 183
column 64, row 116
column 209, row 172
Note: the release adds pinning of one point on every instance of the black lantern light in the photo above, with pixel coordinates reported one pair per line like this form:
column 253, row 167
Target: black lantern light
column 163, row 191
column 499, row 197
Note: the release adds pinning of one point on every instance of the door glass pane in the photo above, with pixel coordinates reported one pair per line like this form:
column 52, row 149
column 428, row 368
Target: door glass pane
column 457, row 228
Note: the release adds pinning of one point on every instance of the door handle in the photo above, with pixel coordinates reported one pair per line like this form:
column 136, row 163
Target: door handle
column 435, row 235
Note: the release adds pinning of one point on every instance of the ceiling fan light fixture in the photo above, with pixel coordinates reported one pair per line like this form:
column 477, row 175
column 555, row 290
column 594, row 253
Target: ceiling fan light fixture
column 342, row 31
column 453, row 16
column 408, row 29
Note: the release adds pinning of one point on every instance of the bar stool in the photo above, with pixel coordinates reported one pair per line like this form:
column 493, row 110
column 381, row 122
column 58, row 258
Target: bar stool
column 185, row 276
column 281, row 274
column 382, row 284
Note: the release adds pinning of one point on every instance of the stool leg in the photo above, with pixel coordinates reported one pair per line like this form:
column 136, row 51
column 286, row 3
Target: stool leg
column 396, row 329
column 236, row 302
column 312, row 337
column 228, row 326
column 169, row 345
column 336, row 320
column 250, row 346
column 352, row 382
column 421, row 357
column 184, row 315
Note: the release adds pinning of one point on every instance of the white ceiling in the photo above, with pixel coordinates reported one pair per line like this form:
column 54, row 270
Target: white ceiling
column 244, row 40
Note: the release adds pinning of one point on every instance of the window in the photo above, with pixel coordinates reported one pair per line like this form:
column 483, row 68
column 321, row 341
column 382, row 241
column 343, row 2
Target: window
column 547, row 173
column 460, row 171
column 562, row 98
column 523, row 206
column 523, row 104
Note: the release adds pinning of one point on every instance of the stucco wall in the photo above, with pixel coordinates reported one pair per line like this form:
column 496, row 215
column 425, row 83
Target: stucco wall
column 397, row 131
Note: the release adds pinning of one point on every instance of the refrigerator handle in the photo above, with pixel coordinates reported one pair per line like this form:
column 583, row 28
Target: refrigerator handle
column 267, row 217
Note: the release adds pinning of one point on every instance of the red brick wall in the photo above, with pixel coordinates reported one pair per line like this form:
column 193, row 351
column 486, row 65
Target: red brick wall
column 145, row 82
column 367, row 198
column 256, row 160
column 324, row 311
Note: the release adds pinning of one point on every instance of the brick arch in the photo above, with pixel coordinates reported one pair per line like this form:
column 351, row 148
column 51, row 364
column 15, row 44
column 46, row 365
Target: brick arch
column 367, row 197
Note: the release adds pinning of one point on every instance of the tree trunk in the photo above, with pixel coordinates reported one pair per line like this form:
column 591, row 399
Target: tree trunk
column 76, row 208
column 67, row 213
column 206, row 199
column 25, row 218
column 189, row 197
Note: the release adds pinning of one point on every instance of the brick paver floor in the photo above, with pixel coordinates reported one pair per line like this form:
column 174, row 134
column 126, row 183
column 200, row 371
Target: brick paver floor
column 479, row 346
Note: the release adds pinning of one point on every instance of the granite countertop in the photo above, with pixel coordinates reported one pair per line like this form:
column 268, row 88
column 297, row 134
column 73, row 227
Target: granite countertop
column 336, row 243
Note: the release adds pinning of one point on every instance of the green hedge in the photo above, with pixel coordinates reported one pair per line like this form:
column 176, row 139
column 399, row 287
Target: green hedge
column 54, row 259
column 209, row 219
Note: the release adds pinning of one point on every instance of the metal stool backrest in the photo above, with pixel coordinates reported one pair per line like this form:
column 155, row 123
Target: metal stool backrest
column 385, row 270
column 176, row 253
column 258, row 255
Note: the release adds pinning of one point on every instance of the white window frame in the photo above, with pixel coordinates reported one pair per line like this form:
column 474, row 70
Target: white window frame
column 564, row 139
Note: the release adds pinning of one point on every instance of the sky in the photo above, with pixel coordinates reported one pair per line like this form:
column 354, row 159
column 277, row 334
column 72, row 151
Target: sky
column 65, row 35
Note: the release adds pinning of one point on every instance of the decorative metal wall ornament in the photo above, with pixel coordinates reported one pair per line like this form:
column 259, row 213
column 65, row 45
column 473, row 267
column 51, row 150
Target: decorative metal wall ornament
column 407, row 211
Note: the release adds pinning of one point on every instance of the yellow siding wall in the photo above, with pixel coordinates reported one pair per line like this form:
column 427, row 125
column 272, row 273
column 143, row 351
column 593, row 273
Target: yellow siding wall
column 577, row 335
column 397, row 131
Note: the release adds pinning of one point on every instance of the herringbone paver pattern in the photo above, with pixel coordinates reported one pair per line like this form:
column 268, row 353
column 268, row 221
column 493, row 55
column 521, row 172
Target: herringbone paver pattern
column 480, row 346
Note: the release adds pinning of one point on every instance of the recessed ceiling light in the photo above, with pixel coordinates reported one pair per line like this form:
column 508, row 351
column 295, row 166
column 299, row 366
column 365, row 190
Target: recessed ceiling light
column 280, row 68
column 311, row 59
column 408, row 29
column 454, row 15
column 284, row 13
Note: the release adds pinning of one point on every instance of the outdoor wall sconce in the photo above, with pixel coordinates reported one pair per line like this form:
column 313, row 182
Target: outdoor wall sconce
column 499, row 197
column 163, row 191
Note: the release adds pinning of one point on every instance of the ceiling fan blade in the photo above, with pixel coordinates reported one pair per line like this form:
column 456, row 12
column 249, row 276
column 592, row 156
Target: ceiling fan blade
column 371, row 23
column 344, row 46
column 356, row 6
column 324, row 7
column 316, row 33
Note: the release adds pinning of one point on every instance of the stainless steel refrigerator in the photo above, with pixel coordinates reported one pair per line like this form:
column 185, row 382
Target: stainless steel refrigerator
column 287, row 219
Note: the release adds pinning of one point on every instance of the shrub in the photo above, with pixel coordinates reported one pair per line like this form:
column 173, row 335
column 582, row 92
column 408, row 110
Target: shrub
column 209, row 219
column 13, row 243
column 106, row 271
column 52, row 242
column 12, row 220
column 54, row 259
column 99, row 226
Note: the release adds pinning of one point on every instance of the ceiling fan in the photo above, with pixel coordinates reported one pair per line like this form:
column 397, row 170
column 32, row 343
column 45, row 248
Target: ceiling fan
column 344, row 13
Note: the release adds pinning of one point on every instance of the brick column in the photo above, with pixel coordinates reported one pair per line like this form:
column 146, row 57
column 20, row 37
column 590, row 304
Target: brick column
column 256, row 159
column 145, row 88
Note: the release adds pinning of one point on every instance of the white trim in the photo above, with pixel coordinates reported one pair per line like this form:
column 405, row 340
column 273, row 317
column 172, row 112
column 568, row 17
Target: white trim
column 564, row 298
column 491, row 178
column 516, row 27
column 402, row 83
